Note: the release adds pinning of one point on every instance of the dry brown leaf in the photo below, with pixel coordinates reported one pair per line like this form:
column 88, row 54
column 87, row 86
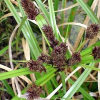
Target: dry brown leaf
column 27, row 55
column 26, row 49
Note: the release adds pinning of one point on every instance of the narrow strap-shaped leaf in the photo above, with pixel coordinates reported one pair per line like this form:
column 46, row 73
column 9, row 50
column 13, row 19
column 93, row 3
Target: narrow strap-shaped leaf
column 14, row 73
column 63, row 82
column 42, row 7
column 52, row 19
column 56, row 5
column 10, row 91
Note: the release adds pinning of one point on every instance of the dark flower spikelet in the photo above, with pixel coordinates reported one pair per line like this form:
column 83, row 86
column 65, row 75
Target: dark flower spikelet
column 92, row 31
column 36, row 66
column 58, row 55
column 49, row 34
column 76, row 58
column 96, row 52
column 43, row 58
column 30, row 9
column 34, row 92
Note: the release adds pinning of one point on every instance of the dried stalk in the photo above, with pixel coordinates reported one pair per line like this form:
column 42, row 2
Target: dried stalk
column 11, row 64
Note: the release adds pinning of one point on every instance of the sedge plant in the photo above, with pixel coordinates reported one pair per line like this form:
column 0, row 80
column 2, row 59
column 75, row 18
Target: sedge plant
column 61, row 70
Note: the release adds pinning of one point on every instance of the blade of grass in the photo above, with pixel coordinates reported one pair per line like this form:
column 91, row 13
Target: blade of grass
column 2, row 89
column 90, row 61
column 48, row 84
column 90, row 2
column 19, row 30
column 63, row 82
column 89, row 67
column 86, row 57
column 55, row 83
column 9, row 89
column 10, row 74
column 52, row 19
column 39, row 81
column 21, row 25
column 25, row 71
column 56, row 5
column 42, row 7
column 89, row 49
column 57, row 96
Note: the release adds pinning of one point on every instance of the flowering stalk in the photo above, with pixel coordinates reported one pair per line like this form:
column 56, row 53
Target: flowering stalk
column 30, row 9
column 49, row 34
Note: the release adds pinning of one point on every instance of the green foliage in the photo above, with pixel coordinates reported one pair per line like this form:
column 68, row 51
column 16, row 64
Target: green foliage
column 48, row 79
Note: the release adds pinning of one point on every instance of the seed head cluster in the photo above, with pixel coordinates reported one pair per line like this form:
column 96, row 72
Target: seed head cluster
column 49, row 34
column 57, row 59
column 30, row 9
column 92, row 31
column 36, row 66
column 96, row 52
column 33, row 92
column 76, row 58
column 43, row 58
column 58, row 55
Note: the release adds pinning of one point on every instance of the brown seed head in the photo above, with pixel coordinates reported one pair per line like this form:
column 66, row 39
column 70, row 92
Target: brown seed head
column 92, row 31
column 47, row 29
column 49, row 34
column 44, row 59
column 63, row 47
column 58, row 55
column 96, row 52
column 53, row 43
column 76, row 58
column 36, row 66
column 34, row 92
column 30, row 9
